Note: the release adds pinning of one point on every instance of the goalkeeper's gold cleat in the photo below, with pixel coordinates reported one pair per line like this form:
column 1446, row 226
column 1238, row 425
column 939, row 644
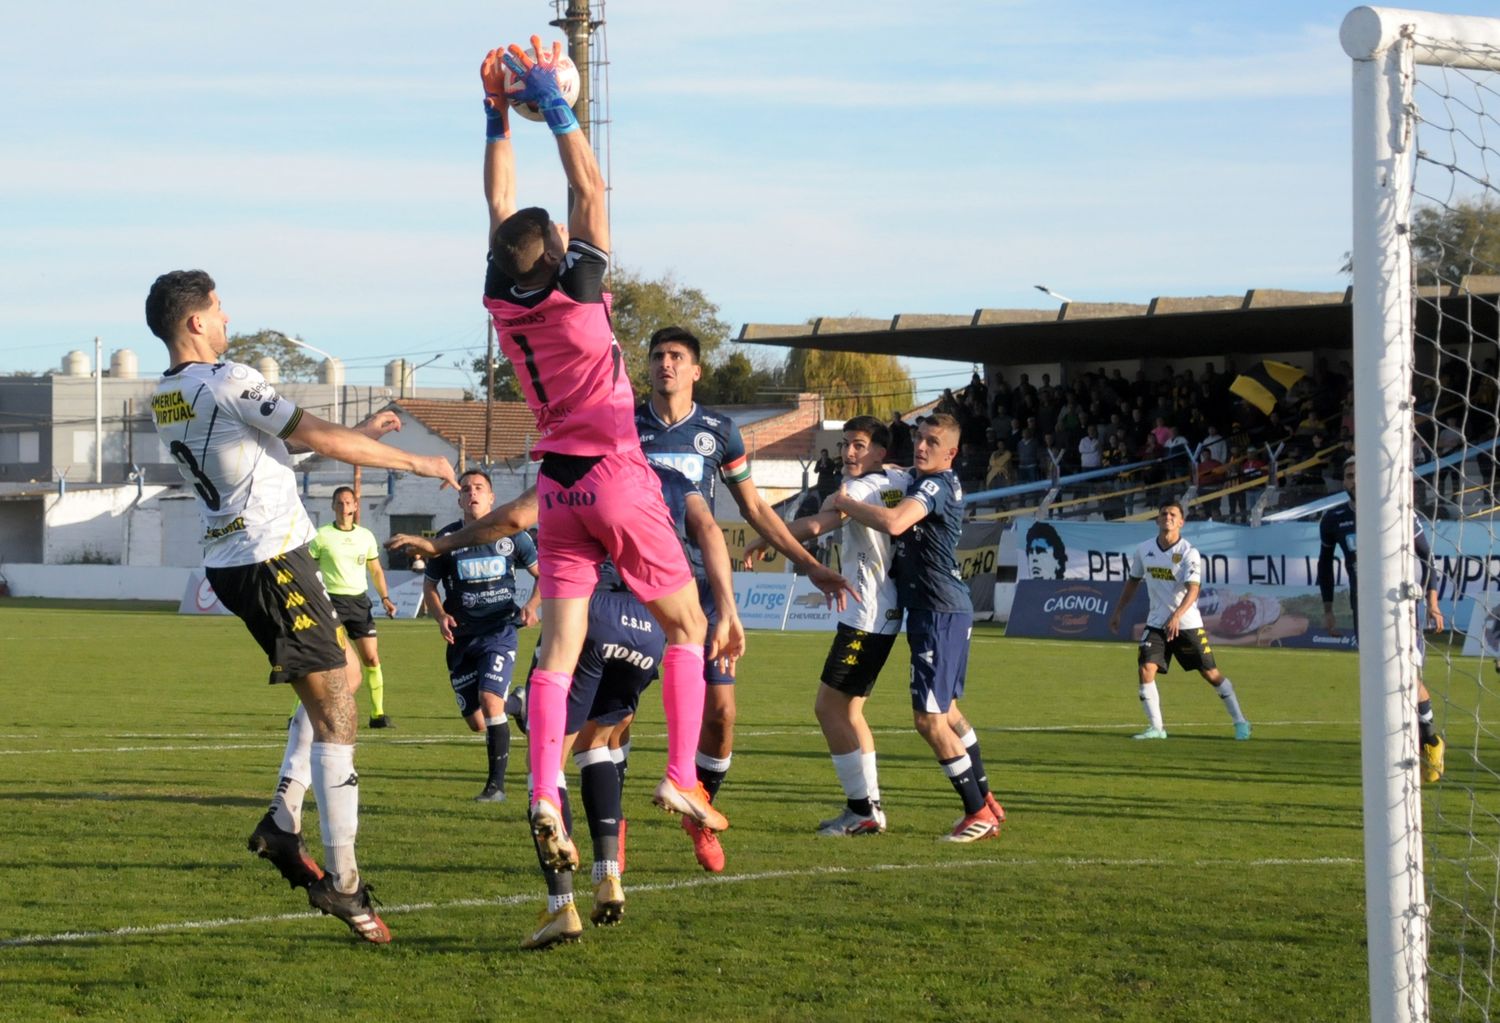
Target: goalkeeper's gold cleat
column 555, row 928
column 609, row 902
column 1432, row 760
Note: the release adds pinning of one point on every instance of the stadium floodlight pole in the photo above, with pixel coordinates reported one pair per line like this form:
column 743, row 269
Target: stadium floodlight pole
column 489, row 385
column 98, row 410
column 1048, row 291
column 412, row 371
column 1386, row 45
column 333, row 388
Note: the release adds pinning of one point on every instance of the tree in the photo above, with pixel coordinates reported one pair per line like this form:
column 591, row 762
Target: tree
column 852, row 383
column 638, row 308
column 1452, row 242
column 293, row 361
column 641, row 307
column 735, row 379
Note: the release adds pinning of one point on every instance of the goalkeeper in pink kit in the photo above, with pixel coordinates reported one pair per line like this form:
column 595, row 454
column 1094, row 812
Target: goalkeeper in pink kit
column 597, row 496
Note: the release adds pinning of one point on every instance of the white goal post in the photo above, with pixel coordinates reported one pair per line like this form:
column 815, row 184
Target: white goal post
column 1389, row 47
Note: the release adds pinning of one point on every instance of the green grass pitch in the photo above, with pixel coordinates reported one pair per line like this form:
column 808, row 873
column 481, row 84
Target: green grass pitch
column 1193, row 879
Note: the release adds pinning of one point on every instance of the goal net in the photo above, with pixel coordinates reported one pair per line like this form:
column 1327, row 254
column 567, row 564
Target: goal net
column 1426, row 263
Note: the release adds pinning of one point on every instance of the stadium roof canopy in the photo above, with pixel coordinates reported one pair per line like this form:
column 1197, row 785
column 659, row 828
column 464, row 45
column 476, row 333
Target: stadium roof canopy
column 1259, row 322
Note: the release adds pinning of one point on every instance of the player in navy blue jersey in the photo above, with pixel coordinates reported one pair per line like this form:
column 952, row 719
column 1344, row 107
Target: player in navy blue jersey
column 1336, row 532
column 926, row 524
column 478, row 617
column 705, row 446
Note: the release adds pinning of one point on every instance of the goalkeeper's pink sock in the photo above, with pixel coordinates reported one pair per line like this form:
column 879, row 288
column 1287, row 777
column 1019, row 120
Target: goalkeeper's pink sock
column 682, row 694
column 546, row 721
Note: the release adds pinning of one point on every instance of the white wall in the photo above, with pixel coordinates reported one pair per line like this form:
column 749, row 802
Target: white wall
column 98, row 524
column 97, row 582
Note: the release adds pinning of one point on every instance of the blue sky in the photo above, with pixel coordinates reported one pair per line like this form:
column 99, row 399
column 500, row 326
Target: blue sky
column 789, row 159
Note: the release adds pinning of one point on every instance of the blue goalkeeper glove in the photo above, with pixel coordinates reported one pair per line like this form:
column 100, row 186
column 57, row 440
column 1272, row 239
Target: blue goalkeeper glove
column 537, row 81
column 496, row 108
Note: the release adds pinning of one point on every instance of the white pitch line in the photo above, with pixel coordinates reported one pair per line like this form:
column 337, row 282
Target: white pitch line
column 747, row 733
column 31, row 940
column 144, row 749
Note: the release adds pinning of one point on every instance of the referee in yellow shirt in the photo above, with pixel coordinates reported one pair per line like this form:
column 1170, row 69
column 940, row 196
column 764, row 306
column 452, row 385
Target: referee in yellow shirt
column 346, row 551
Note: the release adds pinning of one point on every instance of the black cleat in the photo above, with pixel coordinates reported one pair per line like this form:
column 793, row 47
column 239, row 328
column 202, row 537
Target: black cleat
column 493, row 792
column 382, row 721
column 357, row 909
column 286, row 852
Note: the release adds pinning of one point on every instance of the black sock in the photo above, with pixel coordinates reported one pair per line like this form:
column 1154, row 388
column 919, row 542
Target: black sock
column 497, row 742
column 599, row 785
column 862, row 807
column 980, row 777
column 1425, row 727
column 711, row 778
column 964, row 783
column 559, row 882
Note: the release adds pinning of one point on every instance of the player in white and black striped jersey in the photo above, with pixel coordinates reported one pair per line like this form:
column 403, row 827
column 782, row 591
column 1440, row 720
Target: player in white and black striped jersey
column 1173, row 571
column 228, row 430
column 866, row 630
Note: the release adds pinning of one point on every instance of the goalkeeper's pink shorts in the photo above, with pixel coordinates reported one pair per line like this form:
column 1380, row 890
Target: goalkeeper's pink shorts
column 615, row 511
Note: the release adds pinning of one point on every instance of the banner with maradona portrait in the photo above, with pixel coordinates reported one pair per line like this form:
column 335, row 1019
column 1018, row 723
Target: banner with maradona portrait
column 1260, row 584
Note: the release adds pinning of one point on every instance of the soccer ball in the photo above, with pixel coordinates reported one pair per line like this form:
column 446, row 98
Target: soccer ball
column 567, row 77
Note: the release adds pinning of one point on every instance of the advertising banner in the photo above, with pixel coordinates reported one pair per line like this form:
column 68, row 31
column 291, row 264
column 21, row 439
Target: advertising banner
column 1232, row 616
column 1483, row 634
column 199, row 597
column 978, row 562
column 762, row 597
column 1276, row 560
column 405, row 589
column 808, row 609
column 406, row 593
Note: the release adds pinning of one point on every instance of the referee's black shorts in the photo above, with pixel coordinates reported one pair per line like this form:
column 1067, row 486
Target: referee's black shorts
column 284, row 605
column 355, row 611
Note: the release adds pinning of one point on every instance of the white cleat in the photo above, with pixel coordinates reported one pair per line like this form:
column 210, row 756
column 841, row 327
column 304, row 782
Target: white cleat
column 849, row 824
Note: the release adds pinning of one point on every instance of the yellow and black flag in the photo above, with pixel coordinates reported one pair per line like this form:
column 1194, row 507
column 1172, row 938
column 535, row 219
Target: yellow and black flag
column 1266, row 384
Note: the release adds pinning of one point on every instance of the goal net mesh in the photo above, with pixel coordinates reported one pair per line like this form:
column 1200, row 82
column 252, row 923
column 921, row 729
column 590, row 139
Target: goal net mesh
column 1454, row 237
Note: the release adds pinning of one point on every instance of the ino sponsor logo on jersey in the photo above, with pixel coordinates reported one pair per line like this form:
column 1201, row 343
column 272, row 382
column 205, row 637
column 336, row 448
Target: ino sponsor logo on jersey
column 529, row 320
column 617, row 652
column 169, row 408
column 685, row 462
column 481, row 569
